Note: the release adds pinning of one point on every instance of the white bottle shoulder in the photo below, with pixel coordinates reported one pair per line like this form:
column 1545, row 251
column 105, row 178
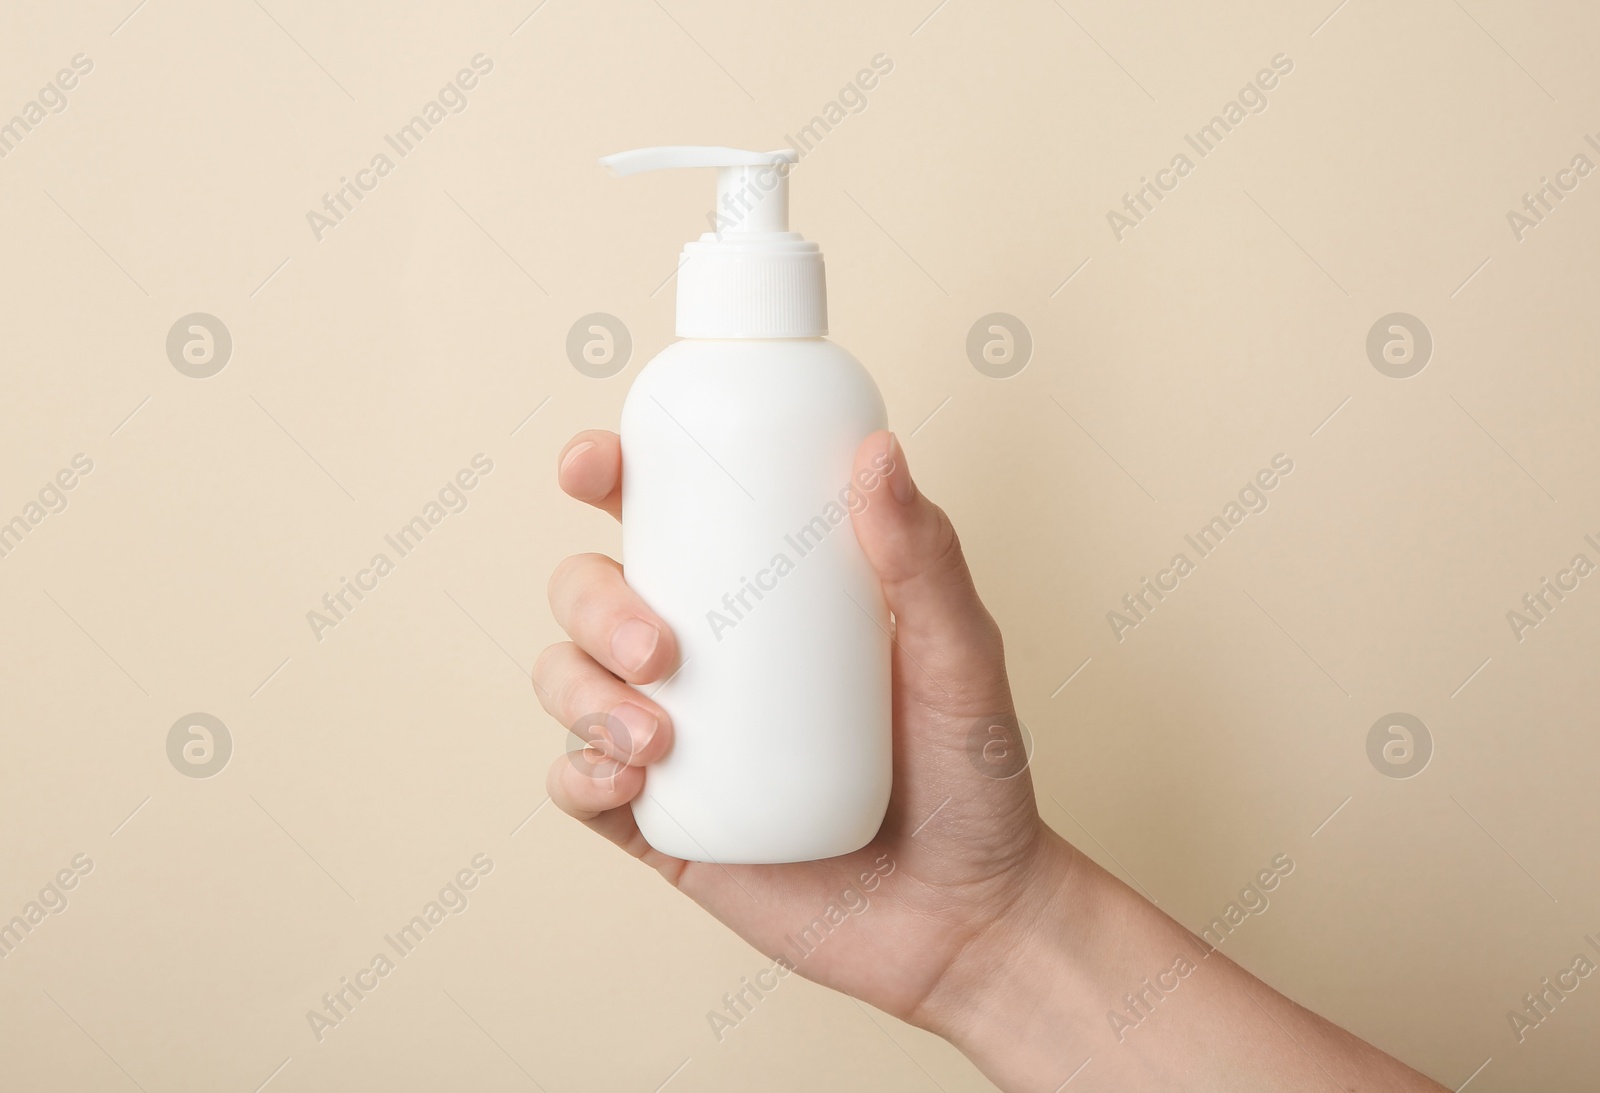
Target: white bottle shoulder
column 793, row 374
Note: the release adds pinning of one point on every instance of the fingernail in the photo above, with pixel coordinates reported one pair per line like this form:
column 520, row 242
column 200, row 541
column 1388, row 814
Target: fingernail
column 900, row 483
column 633, row 642
column 566, row 460
column 637, row 726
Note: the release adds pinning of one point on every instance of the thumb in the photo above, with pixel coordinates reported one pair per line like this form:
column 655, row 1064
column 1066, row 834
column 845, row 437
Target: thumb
column 947, row 648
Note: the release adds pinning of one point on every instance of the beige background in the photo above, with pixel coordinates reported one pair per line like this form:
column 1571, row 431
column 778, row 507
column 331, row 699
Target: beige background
column 370, row 766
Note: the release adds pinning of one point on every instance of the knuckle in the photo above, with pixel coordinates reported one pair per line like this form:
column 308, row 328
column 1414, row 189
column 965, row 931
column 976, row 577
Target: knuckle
column 945, row 554
column 553, row 785
column 560, row 576
column 578, row 580
column 546, row 667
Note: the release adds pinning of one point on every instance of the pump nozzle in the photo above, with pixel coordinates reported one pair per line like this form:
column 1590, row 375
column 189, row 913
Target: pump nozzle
column 752, row 187
column 750, row 277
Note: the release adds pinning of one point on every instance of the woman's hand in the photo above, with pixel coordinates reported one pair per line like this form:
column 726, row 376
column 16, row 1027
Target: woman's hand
column 962, row 862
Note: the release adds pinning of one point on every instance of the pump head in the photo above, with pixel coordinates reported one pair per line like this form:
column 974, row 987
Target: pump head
column 751, row 277
column 752, row 187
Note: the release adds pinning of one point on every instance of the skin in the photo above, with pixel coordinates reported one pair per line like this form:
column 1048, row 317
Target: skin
column 991, row 931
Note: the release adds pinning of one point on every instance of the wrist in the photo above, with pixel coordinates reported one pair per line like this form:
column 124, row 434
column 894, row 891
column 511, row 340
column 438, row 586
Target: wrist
column 1011, row 1000
column 1033, row 998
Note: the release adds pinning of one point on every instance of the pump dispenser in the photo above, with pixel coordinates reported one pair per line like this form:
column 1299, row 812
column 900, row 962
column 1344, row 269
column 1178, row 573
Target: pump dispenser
column 751, row 277
column 738, row 447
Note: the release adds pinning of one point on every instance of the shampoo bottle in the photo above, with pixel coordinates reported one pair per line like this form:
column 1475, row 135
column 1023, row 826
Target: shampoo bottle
column 738, row 448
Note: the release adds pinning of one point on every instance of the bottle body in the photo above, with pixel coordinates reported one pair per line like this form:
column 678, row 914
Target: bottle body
column 737, row 492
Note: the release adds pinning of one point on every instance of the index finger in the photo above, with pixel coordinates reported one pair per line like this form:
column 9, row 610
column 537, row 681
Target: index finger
column 590, row 469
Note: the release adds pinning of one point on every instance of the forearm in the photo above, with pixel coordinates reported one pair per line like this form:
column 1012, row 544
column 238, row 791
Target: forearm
column 1093, row 971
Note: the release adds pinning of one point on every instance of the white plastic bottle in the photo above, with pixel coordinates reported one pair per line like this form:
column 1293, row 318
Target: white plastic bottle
column 738, row 447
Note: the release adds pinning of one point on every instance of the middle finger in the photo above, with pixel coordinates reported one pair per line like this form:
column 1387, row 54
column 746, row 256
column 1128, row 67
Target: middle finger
column 608, row 620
